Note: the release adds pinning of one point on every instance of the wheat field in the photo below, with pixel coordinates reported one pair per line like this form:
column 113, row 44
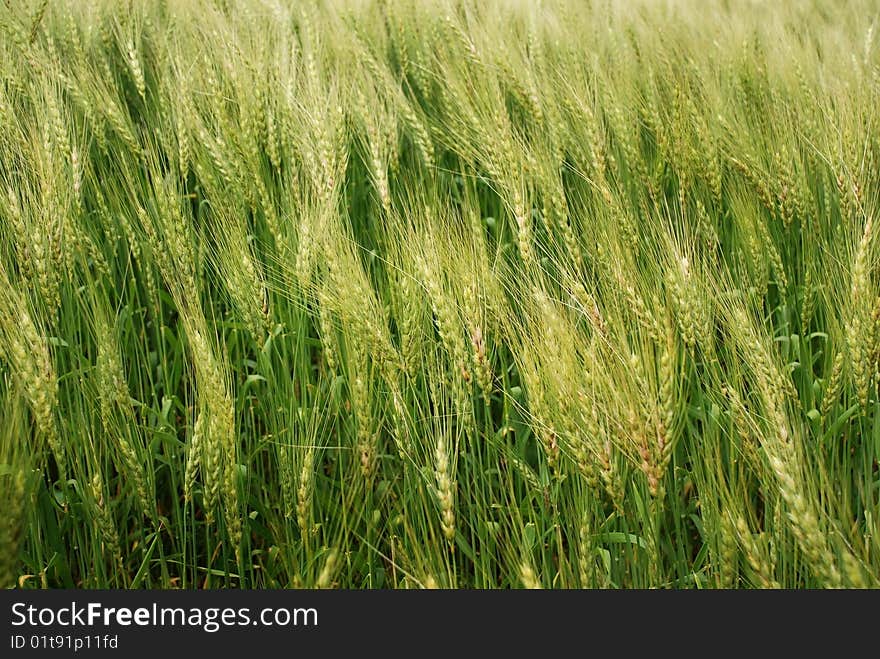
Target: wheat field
column 439, row 294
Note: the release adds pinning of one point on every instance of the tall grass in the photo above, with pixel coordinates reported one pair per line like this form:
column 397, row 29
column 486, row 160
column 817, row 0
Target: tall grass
column 439, row 294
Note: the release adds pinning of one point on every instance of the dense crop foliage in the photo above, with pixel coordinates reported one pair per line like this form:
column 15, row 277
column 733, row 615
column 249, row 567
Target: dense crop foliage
column 439, row 294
